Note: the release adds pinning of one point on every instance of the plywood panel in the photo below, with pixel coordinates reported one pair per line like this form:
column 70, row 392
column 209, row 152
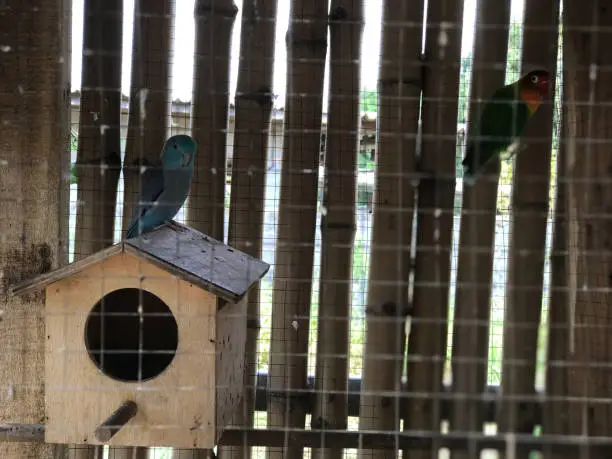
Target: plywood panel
column 175, row 408
column 231, row 339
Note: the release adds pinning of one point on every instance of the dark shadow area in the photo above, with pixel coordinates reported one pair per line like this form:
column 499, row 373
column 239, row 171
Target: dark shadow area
column 128, row 343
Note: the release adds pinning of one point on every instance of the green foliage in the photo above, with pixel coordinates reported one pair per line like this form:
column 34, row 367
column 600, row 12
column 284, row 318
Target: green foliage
column 369, row 100
column 364, row 162
column 74, row 139
column 73, row 174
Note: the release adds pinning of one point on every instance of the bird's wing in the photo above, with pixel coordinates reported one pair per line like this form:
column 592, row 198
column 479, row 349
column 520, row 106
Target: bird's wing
column 497, row 126
column 152, row 186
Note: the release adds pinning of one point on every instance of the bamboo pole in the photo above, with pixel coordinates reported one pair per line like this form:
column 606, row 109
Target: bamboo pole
column 427, row 342
column 530, row 206
column 99, row 147
column 148, row 116
column 149, row 95
column 556, row 413
column 477, row 236
column 399, row 91
column 214, row 25
column 206, row 204
column 297, row 211
column 346, row 23
column 34, row 190
column 251, row 134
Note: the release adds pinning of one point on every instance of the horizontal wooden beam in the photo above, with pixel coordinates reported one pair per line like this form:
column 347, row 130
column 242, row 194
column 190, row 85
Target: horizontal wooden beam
column 22, row 432
column 417, row 441
column 307, row 398
column 339, row 439
column 414, row 440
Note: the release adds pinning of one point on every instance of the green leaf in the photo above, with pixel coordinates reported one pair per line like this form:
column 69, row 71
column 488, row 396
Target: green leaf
column 73, row 174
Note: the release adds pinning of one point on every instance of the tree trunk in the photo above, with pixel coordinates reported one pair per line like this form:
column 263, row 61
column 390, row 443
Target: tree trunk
column 297, row 212
column 99, row 147
column 530, row 206
column 251, row 134
column 428, row 336
column 34, row 192
column 149, row 95
column 589, row 197
column 399, row 91
column 557, row 414
column 214, row 24
column 477, row 237
column 338, row 220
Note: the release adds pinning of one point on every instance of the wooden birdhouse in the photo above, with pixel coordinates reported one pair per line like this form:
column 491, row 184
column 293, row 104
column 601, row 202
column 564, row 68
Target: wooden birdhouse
column 145, row 341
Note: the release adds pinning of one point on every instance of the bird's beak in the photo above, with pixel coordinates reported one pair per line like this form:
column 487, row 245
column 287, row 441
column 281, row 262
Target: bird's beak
column 186, row 158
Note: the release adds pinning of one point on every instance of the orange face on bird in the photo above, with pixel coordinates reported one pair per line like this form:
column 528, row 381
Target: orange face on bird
column 533, row 88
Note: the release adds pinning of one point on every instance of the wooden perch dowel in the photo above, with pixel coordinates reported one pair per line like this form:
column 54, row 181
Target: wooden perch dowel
column 115, row 422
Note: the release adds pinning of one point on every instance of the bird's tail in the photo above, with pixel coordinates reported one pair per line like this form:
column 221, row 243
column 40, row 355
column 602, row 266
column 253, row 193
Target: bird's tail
column 468, row 168
column 133, row 230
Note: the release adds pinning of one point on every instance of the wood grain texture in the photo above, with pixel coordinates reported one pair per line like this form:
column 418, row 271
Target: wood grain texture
column 306, row 42
column 214, row 20
column 399, row 92
column 34, row 194
column 175, row 408
column 556, row 413
column 338, row 224
column 477, row 234
column 98, row 162
column 427, row 343
column 181, row 251
column 588, row 82
column 252, row 132
column 529, row 219
column 230, row 340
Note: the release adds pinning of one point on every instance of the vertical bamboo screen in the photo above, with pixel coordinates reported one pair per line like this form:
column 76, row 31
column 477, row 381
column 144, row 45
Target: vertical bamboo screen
column 406, row 314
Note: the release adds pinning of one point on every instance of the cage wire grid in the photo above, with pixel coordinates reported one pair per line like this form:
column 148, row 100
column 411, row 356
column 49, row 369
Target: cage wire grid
column 140, row 109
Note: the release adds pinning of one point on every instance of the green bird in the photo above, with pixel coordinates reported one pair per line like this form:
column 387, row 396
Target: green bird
column 502, row 121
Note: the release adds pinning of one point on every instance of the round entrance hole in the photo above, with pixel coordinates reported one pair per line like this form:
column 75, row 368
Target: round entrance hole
column 131, row 343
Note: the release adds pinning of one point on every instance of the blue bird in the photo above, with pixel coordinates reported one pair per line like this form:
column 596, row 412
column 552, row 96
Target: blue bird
column 164, row 190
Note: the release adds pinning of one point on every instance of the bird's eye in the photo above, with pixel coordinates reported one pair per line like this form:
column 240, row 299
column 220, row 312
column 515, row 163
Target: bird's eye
column 534, row 79
column 174, row 145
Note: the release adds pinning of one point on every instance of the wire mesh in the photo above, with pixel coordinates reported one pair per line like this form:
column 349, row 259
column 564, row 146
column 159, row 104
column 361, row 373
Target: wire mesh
column 450, row 319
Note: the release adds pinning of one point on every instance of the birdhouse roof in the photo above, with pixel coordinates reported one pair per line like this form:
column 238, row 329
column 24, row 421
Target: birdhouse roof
column 180, row 250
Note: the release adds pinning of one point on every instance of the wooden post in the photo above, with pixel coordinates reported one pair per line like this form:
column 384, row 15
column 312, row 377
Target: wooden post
column 338, row 222
column 297, row 213
column 99, row 146
column 254, row 104
column 214, row 24
column 34, row 194
column 588, row 79
column 476, row 244
column 427, row 342
column 530, row 205
column 399, row 92
column 116, row 421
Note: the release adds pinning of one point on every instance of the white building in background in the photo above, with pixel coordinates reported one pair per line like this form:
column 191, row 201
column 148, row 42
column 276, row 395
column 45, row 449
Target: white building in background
column 181, row 124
